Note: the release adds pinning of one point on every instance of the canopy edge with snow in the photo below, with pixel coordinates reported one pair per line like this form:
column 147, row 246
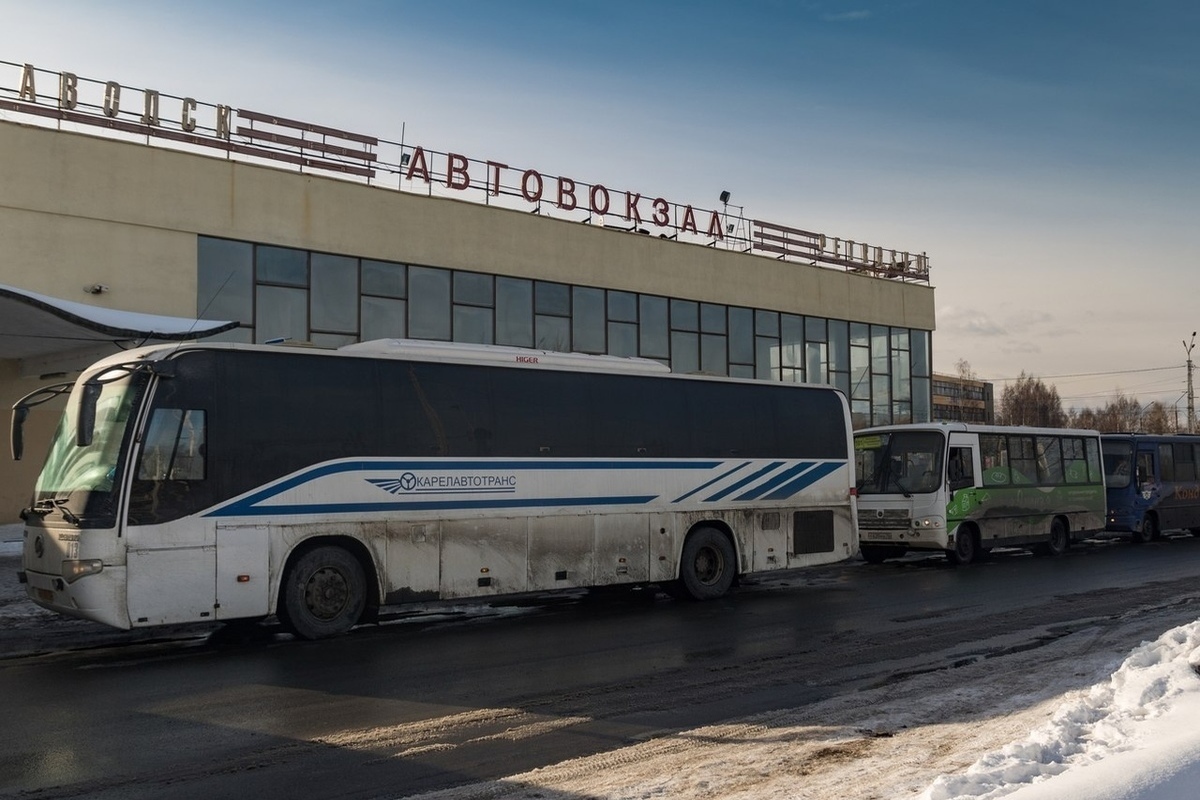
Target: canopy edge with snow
column 36, row 325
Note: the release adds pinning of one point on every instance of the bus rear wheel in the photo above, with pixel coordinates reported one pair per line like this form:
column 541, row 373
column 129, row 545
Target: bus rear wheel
column 1059, row 540
column 324, row 593
column 708, row 565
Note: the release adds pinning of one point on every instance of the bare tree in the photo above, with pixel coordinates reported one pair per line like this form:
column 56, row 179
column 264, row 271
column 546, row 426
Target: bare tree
column 1083, row 418
column 965, row 373
column 1121, row 414
column 1124, row 414
column 1028, row 401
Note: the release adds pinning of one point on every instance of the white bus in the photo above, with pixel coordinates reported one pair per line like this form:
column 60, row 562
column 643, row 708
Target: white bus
column 200, row 482
column 965, row 489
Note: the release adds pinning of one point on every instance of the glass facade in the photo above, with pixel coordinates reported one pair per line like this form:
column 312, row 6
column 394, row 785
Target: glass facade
column 279, row 293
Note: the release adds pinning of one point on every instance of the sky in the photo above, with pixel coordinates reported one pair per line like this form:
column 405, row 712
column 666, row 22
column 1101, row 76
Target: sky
column 1041, row 152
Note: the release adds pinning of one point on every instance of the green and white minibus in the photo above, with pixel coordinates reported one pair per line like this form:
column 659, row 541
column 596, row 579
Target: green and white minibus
column 965, row 489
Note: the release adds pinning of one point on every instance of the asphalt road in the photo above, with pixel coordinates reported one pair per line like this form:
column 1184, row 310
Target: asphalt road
column 446, row 696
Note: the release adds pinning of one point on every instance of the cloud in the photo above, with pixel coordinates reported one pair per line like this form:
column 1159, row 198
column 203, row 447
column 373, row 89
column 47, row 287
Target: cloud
column 847, row 16
column 983, row 326
column 1020, row 348
column 968, row 321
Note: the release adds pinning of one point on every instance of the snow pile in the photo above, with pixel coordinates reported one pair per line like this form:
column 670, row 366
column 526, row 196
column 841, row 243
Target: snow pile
column 1140, row 724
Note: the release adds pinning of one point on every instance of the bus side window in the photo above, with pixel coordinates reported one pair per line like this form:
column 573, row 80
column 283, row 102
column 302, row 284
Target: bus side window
column 1145, row 468
column 174, row 446
column 960, row 470
column 1166, row 464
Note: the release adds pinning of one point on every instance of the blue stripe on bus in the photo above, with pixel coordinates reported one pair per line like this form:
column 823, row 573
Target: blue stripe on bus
column 728, row 490
column 246, row 509
column 804, row 481
column 766, row 486
column 324, row 470
column 704, row 486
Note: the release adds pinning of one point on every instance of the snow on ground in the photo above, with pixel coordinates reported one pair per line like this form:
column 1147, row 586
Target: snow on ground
column 10, row 539
column 1133, row 736
column 14, row 607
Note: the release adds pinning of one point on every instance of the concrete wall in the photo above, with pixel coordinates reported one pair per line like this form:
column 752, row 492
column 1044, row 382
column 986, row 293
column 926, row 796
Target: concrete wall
column 77, row 210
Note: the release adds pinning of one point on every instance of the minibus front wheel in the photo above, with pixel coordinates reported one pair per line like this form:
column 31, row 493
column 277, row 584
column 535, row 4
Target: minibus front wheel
column 966, row 546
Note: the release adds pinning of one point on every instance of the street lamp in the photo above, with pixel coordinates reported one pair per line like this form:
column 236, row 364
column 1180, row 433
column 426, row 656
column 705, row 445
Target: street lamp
column 1191, row 420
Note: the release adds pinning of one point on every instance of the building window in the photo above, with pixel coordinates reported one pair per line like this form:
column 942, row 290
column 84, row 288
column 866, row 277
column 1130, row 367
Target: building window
column 587, row 320
column 514, row 312
column 653, row 338
column 429, row 303
column 335, row 294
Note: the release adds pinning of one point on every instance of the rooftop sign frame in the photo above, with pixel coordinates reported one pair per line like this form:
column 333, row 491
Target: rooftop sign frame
column 154, row 117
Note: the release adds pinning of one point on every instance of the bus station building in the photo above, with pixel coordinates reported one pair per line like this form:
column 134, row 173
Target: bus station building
column 128, row 215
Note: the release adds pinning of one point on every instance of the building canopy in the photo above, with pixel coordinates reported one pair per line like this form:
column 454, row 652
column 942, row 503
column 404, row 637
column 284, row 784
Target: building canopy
column 35, row 325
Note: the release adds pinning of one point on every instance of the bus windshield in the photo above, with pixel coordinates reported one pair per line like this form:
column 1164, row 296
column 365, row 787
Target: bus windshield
column 1118, row 463
column 82, row 479
column 904, row 462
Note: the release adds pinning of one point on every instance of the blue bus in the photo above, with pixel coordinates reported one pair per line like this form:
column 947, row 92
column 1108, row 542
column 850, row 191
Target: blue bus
column 1153, row 484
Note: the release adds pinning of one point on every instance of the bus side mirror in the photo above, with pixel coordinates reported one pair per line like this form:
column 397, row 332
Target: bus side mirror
column 18, row 431
column 86, row 426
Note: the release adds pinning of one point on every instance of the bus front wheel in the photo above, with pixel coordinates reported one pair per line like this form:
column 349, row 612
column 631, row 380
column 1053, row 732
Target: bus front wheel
column 966, row 548
column 708, row 565
column 1148, row 532
column 324, row 593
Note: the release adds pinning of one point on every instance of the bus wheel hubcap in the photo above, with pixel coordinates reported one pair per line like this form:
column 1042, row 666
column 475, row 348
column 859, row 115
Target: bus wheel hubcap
column 326, row 593
column 708, row 566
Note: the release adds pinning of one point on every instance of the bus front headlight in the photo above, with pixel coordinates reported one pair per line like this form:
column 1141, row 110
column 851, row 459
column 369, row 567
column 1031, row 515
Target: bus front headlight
column 74, row 570
column 926, row 523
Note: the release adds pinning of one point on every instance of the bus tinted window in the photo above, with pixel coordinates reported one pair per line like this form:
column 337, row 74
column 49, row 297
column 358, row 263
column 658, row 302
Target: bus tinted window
column 1022, row 454
column 993, row 449
column 1050, row 466
column 1166, row 462
column 1118, row 458
column 1185, row 463
column 1095, row 473
column 1075, row 466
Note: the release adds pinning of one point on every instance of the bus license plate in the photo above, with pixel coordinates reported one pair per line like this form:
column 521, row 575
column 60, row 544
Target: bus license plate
column 884, row 535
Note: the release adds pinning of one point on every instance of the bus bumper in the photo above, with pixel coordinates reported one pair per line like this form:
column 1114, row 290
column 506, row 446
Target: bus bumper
column 1124, row 522
column 99, row 597
column 908, row 539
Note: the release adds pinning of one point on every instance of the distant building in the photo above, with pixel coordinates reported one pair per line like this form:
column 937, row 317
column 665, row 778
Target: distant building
column 958, row 399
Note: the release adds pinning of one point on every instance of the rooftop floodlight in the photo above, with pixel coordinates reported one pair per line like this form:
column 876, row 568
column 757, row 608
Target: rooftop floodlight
column 725, row 197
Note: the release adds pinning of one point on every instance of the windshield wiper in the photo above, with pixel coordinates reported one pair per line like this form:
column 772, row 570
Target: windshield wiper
column 40, row 507
column 61, row 504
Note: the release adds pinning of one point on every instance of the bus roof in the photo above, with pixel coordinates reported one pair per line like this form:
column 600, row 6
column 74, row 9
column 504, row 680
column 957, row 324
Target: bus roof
column 462, row 353
column 408, row 350
column 482, row 355
column 966, row 427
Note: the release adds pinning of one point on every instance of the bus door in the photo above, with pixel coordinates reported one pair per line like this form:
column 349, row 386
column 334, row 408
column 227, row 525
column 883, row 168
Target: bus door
column 965, row 498
column 1149, row 479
